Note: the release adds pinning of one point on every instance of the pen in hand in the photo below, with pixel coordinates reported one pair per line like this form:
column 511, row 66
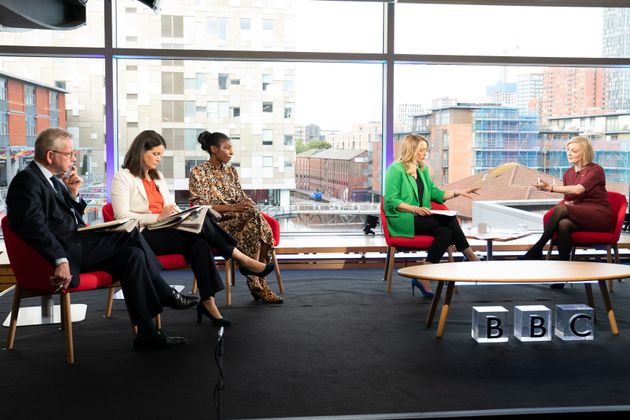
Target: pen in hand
column 59, row 287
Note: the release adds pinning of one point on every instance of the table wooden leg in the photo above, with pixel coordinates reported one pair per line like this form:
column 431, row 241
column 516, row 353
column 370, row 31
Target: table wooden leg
column 434, row 303
column 447, row 302
column 608, row 305
column 589, row 298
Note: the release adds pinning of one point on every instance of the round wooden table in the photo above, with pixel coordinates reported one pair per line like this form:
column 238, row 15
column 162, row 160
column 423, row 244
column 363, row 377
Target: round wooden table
column 505, row 272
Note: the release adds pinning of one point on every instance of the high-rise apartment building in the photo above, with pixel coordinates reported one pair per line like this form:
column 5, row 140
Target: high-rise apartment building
column 616, row 43
column 573, row 91
column 529, row 93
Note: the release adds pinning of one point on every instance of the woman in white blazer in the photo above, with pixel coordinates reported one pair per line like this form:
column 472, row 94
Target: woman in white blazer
column 139, row 192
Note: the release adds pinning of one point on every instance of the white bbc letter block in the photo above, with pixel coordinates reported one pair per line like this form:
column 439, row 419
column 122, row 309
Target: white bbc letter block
column 574, row 322
column 532, row 323
column 489, row 324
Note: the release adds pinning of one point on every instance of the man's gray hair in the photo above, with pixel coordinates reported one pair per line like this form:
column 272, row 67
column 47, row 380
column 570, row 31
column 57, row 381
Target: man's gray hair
column 46, row 140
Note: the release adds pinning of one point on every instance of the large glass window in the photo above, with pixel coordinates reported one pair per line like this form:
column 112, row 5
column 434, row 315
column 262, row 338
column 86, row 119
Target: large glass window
column 39, row 101
column 481, row 117
column 284, row 25
column 89, row 34
column 510, row 30
column 304, row 123
column 264, row 131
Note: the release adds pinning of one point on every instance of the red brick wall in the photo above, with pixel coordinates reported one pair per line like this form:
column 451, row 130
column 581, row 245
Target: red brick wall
column 17, row 120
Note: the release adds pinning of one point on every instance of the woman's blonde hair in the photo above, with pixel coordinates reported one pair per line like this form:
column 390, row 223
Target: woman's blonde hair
column 408, row 150
column 588, row 154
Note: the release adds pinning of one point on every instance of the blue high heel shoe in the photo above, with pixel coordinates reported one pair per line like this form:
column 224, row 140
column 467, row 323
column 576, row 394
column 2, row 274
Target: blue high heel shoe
column 416, row 283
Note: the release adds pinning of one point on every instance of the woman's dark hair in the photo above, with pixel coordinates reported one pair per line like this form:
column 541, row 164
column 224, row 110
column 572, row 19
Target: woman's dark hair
column 144, row 141
column 207, row 139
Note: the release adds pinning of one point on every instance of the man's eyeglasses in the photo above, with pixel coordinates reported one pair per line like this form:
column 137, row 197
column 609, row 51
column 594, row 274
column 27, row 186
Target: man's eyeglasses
column 67, row 155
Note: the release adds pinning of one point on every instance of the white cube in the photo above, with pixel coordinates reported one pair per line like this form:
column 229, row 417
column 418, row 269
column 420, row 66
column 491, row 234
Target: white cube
column 574, row 322
column 489, row 324
column 532, row 323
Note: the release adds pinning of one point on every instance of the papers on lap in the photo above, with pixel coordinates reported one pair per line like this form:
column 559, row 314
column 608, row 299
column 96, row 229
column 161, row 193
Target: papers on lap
column 445, row 212
column 122, row 225
column 189, row 220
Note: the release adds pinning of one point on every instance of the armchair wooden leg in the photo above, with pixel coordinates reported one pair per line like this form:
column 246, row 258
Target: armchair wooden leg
column 278, row 276
column 158, row 322
column 549, row 250
column 67, row 326
column 15, row 309
column 391, row 252
column 110, row 302
column 194, row 286
column 609, row 260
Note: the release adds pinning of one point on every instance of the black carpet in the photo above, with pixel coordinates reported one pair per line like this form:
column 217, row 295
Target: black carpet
column 339, row 345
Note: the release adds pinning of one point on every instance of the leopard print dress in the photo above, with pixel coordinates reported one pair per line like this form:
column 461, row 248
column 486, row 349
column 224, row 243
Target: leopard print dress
column 210, row 185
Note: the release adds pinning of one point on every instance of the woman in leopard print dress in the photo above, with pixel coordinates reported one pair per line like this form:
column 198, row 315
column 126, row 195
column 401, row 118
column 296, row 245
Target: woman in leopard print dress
column 215, row 183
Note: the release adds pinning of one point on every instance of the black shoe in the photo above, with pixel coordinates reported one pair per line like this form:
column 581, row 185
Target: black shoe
column 156, row 342
column 557, row 286
column 219, row 322
column 530, row 256
column 178, row 301
column 246, row 272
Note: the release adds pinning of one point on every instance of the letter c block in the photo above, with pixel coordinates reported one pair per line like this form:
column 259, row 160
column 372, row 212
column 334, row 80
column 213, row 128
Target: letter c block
column 574, row 322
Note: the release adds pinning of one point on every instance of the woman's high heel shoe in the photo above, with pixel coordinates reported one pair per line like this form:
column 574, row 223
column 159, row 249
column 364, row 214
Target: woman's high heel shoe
column 247, row 272
column 219, row 322
column 416, row 283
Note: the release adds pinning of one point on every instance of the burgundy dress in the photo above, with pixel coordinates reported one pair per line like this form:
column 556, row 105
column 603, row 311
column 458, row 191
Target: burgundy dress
column 590, row 210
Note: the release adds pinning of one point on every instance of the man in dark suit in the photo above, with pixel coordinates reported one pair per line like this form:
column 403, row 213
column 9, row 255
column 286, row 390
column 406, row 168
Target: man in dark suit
column 45, row 211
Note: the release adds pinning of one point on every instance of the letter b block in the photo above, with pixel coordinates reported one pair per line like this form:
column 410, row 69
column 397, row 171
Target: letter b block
column 489, row 324
column 532, row 323
column 574, row 322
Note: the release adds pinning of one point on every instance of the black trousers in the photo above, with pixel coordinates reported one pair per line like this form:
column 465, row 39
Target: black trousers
column 445, row 230
column 129, row 258
column 198, row 249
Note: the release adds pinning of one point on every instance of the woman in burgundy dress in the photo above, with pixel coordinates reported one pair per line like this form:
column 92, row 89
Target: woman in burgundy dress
column 585, row 206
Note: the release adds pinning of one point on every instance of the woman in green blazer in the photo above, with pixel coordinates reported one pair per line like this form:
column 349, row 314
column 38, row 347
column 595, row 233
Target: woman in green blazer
column 408, row 195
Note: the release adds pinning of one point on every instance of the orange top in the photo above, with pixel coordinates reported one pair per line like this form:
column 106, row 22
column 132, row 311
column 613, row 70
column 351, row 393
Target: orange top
column 156, row 201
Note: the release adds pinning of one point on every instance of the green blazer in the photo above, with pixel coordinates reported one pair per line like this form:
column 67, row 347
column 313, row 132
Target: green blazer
column 402, row 188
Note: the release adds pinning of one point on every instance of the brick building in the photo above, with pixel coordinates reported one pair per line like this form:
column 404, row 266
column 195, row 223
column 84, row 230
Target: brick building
column 339, row 174
column 26, row 108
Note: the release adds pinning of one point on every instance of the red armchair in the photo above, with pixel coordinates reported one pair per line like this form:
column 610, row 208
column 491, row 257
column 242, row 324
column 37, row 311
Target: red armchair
column 608, row 239
column 168, row 261
column 399, row 243
column 32, row 274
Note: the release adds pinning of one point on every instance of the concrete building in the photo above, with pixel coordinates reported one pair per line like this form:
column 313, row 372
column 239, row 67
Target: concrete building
column 358, row 138
column 405, row 114
column 503, row 93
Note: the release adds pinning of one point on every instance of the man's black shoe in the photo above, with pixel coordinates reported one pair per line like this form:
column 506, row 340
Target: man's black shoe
column 557, row 286
column 178, row 301
column 156, row 342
